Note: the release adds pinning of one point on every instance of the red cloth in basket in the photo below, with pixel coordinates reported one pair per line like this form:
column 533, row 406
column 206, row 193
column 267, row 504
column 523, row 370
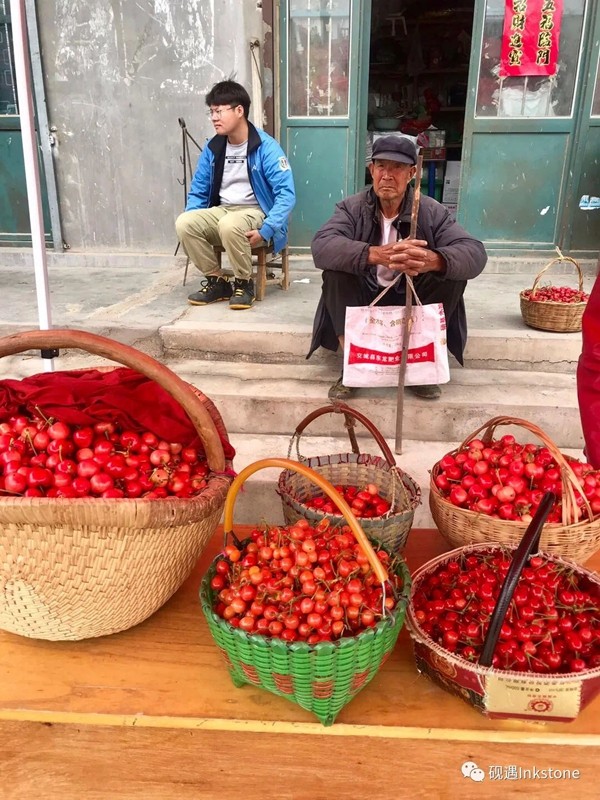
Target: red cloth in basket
column 82, row 397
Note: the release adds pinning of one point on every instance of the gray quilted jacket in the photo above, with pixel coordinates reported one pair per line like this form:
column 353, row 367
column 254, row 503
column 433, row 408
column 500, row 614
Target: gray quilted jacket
column 342, row 244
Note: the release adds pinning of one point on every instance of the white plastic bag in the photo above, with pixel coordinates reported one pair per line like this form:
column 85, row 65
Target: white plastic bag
column 373, row 346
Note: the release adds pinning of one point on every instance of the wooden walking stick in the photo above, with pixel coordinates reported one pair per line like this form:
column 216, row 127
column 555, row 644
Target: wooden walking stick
column 407, row 322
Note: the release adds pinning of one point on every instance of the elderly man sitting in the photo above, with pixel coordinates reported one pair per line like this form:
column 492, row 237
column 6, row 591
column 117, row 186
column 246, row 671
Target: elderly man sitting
column 364, row 246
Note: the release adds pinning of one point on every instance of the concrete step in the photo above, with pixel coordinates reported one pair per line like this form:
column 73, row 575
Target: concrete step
column 21, row 258
column 263, row 341
column 279, row 329
column 264, row 399
column 273, row 398
column 145, row 305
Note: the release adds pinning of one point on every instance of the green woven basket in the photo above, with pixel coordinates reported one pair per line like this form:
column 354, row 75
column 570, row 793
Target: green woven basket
column 323, row 677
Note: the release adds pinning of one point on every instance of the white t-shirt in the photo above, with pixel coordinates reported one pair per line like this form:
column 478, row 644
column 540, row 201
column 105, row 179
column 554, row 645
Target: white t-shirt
column 235, row 186
column 389, row 235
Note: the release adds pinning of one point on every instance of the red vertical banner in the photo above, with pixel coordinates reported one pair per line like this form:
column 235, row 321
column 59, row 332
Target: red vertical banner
column 530, row 37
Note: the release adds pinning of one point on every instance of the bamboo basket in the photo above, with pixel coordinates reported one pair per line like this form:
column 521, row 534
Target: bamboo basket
column 502, row 694
column 321, row 678
column 86, row 567
column 358, row 469
column 546, row 315
column 460, row 526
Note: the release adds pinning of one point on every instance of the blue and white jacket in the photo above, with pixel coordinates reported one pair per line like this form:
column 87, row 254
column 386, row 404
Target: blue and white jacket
column 269, row 174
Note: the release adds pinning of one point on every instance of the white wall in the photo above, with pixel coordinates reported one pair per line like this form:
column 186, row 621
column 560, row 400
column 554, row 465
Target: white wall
column 118, row 74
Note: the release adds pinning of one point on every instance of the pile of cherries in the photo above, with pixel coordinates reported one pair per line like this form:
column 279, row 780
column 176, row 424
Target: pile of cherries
column 552, row 624
column 365, row 503
column 555, row 294
column 300, row 583
column 507, row 480
column 42, row 457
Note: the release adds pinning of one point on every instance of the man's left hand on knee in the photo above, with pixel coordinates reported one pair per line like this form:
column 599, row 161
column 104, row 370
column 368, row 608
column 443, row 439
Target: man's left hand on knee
column 255, row 239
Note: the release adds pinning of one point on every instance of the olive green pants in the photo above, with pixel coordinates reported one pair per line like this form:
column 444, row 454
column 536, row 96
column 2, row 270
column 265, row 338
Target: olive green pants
column 202, row 229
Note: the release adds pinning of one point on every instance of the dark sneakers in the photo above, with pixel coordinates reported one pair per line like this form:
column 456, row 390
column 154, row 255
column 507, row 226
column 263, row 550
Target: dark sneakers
column 427, row 392
column 243, row 294
column 212, row 289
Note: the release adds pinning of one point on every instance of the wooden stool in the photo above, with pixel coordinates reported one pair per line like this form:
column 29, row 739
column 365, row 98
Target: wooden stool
column 262, row 279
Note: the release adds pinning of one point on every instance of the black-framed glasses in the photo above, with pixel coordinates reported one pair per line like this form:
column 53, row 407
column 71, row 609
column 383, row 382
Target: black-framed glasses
column 218, row 112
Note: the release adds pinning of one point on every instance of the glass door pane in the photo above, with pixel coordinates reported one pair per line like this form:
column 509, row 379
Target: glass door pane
column 319, row 57
column 529, row 96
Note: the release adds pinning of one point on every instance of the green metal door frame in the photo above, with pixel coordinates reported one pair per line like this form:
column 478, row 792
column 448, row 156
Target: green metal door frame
column 326, row 153
column 363, row 92
column 583, row 176
column 563, row 131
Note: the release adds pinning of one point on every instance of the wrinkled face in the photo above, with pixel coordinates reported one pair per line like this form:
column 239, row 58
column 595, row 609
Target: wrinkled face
column 390, row 179
column 226, row 119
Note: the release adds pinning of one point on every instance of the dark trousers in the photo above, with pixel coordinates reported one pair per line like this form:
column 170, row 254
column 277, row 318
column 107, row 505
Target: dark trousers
column 343, row 289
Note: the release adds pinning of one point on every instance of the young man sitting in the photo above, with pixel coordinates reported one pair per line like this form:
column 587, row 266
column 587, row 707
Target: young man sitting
column 240, row 198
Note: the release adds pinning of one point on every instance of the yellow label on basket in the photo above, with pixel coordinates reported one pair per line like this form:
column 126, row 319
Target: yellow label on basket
column 526, row 696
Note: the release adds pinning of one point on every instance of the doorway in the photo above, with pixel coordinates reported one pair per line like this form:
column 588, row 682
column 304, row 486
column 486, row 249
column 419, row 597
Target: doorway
column 417, row 84
column 514, row 158
column 352, row 70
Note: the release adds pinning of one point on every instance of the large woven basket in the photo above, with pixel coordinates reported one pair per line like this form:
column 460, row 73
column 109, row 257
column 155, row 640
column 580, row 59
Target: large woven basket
column 358, row 469
column 321, row 678
column 502, row 693
column 86, row 567
column 547, row 315
column 572, row 539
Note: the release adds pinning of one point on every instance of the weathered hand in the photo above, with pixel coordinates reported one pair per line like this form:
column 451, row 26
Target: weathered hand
column 413, row 257
column 381, row 254
column 254, row 238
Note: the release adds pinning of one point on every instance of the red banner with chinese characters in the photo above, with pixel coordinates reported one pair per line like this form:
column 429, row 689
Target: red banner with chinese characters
column 362, row 355
column 530, row 38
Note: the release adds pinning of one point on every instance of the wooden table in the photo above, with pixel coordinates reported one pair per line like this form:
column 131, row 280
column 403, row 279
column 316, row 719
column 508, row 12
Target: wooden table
column 152, row 713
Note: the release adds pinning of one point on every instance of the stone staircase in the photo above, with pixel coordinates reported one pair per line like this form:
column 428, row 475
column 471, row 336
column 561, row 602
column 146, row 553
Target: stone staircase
column 262, row 402
column 252, row 365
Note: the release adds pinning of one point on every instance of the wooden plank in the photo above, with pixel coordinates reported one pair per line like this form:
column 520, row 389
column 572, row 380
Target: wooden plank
column 70, row 762
column 168, row 673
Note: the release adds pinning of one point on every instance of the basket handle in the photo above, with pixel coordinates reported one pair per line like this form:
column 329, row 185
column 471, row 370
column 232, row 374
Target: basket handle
column 529, row 544
column 350, row 415
column 560, row 259
column 570, row 483
column 286, row 463
column 129, row 357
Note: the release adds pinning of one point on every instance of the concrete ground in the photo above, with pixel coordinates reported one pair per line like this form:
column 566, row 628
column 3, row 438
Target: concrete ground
column 137, row 295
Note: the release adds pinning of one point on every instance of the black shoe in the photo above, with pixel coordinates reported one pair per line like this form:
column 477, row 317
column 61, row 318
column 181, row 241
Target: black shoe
column 243, row 294
column 427, row 392
column 340, row 392
column 212, row 289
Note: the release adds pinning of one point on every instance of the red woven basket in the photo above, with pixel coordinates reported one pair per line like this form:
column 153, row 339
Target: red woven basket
column 503, row 693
